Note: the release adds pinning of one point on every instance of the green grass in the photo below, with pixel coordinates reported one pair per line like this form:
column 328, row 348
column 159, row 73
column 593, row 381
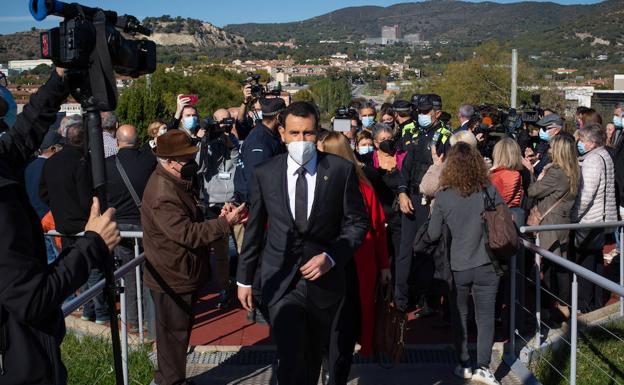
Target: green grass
column 598, row 351
column 89, row 362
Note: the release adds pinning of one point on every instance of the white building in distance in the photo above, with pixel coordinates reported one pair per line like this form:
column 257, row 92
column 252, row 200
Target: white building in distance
column 26, row 65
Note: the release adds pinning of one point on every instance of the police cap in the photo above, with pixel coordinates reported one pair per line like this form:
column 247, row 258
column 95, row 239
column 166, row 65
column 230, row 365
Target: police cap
column 272, row 106
column 429, row 101
column 402, row 106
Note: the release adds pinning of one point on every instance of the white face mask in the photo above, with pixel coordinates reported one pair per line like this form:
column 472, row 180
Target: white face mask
column 301, row 152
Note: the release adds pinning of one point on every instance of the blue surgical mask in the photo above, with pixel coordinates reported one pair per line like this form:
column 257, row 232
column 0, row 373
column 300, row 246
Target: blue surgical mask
column 368, row 121
column 581, row 147
column 363, row 150
column 617, row 121
column 189, row 123
column 424, row 120
column 543, row 135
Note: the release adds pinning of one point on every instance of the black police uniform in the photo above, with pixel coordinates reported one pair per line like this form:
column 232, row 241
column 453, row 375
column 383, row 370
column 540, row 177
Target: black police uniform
column 261, row 144
column 415, row 165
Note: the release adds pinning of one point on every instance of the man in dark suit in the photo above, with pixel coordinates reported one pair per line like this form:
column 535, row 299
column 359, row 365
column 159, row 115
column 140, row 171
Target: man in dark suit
column 307, row 218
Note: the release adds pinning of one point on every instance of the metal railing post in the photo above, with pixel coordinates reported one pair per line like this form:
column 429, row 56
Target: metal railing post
column 124, row 329
column 538, row 298
column 621, row 268
column 574, row 330
column 512, row 308
column 139, row 291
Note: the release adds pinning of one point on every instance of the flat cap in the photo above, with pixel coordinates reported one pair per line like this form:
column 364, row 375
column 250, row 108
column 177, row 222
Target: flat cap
column 550, row 120
column 272, row 106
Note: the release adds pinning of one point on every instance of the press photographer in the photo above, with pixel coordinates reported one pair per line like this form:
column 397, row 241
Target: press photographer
column 31, row 292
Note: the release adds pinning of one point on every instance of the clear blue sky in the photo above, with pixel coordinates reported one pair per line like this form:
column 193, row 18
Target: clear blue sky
column 16, row 17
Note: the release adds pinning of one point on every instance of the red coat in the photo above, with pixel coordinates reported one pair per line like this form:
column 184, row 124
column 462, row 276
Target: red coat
column 371, row 257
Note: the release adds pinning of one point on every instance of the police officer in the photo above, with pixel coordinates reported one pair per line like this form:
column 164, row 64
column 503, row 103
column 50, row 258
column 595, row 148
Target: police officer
column 262, row 143
column 432, row 134
column 407, row 129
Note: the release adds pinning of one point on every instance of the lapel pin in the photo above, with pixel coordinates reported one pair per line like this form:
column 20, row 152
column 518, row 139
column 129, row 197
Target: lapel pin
column 326, row 178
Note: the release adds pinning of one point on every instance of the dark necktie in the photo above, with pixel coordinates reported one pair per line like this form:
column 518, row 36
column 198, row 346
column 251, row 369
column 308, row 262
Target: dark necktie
column 301, row 200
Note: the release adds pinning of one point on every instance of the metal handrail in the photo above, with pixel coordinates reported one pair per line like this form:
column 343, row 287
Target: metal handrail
column 96, row 289
column 123, row 234
column 577, row 269
column 572, row 226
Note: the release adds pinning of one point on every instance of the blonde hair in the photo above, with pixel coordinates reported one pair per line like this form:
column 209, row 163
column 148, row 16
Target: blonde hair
column 464, row 136
column 152, row 129
column 338, row 144
column 507, row 154
column 563, row 150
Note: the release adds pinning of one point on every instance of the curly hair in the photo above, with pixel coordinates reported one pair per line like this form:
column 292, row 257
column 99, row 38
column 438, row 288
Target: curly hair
column 464, row 170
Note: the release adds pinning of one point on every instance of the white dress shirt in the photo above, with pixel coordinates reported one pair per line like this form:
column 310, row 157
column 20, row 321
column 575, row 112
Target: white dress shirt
column 291, row 180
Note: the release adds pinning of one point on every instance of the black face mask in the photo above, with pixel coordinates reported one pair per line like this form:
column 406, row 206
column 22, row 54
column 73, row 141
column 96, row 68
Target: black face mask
column 189, row 170
column 388, row 146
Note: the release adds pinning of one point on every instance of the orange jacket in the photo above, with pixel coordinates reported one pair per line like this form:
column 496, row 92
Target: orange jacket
column 509, row 185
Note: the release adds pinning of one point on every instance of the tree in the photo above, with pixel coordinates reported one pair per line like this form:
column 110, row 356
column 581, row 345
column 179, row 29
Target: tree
column 216, row 88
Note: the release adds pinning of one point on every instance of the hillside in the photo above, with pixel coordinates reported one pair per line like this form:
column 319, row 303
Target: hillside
column 456, row 21
column 21, row 45
column 168, row 31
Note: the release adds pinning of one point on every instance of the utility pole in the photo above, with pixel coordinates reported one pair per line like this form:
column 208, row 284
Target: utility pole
column 514, row 78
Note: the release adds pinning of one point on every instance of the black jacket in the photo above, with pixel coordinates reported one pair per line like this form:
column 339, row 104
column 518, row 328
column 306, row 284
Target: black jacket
column 31, row 291
column 337, row 225
column 66, row 189
column 138, row 165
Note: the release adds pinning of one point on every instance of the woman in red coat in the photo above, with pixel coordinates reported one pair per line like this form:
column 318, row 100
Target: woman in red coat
column 356, row 318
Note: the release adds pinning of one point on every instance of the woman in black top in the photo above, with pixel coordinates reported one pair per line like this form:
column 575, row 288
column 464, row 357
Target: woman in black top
column 385, row 178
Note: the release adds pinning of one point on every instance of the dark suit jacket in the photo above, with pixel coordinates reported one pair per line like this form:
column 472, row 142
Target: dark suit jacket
column 337, row 225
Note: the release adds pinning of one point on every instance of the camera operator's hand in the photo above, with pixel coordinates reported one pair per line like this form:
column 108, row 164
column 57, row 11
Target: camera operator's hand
column 103, row 224
column 247, row 93
column 180, row 104
column 406, row 204
column 200, row 133
column 480, row 137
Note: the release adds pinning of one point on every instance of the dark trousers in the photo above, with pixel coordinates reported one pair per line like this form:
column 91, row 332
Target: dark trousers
column 406, row 271
column 96, row 308
column 301, row 331
column 483, row 282
column 590, row 296
column 345, row 330
column 221, row 248
column 174, row 320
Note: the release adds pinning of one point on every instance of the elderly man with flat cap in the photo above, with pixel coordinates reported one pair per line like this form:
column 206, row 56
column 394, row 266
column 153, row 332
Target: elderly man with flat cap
column 176, row 239
column 550, row 126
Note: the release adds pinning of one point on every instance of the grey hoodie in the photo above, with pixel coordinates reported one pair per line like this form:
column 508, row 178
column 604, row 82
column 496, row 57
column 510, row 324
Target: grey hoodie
column 217, row 159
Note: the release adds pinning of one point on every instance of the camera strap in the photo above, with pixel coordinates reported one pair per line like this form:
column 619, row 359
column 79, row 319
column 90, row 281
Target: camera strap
column 101, row 73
